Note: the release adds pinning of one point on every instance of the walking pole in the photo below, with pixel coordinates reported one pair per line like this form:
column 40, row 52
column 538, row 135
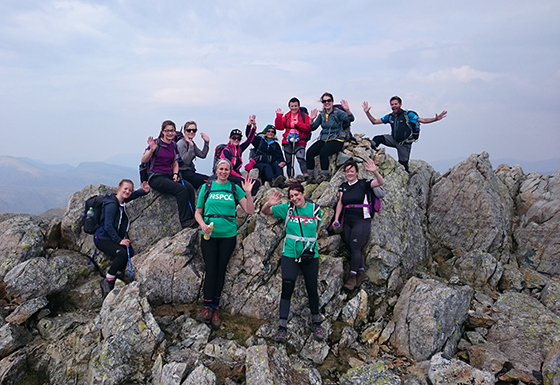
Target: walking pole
column 129, row 262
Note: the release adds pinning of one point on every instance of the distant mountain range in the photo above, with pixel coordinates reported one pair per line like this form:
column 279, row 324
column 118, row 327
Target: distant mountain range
column 33, row 187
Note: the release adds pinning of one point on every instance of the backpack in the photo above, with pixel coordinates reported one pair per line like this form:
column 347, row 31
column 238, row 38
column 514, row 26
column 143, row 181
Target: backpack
column 374, row 197
column 413, row 132
column 207, row 192
column 217, row 153
column 346, row 131
column 145, row 169
column 92, row 212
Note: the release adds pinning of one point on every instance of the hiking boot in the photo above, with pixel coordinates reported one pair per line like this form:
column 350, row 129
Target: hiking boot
column 350, row 283
column 106, row 287
column 373, row 144
column 278, row 181
column 318, row 332
column 281, row 335
column 362, row 276
column 301, row 178
column 310, row 179
column 205, row 315
column 215, row 321
column 322, row 177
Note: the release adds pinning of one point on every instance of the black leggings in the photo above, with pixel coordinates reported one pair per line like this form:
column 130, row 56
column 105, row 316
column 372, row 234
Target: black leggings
column 324, row 150
column 116, row 252
column 356, row 233
column 216, row 253
column 290, row 269
column 194, row 178
column 183, row 193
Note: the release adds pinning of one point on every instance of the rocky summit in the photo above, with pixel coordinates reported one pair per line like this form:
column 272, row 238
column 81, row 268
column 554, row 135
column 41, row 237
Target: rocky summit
column 464, row 288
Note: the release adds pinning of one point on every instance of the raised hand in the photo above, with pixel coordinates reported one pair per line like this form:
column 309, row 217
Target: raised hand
column 345, row 105
column 313, row 114
column 279, row 111
column 247, row 184
column 274, row 198
column 366, row 107
column 152, row 143
column 441, row 115
column 146, row 187
column 252, row 120
column 370, row 165
column 204, row 137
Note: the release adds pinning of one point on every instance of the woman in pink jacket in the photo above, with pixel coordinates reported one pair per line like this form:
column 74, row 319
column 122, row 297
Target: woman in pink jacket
column 297, row 132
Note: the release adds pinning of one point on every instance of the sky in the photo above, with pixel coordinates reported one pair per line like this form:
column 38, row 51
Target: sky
column 90, row 80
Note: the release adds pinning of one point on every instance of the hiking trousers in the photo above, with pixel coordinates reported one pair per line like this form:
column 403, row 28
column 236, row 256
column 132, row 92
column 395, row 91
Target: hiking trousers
column 403, row 150
column 356, row 234
column 290, row 269
column 116, row 252
column 183, row 193
column 299, row 151
column 194, row 178
column 216, row 253
column 269, row 171
column 324, row 149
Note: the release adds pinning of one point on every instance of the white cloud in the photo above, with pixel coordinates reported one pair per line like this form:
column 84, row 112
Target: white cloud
column 464, row 74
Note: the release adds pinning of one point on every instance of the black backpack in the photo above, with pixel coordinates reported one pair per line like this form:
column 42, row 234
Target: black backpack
column 145, row 168
column 92, row 212
column 207, row 192
column 217, row 153
column 412, row 133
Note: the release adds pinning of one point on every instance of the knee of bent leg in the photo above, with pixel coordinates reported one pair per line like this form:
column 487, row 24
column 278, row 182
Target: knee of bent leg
column 287, row 288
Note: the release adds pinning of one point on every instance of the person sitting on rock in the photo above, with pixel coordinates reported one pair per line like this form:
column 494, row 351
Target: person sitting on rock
column 335, row 124
column 216, row 205
column 300, row 252
column 188, row 150
column 267, row 157
column 296, row 124
column 112, row 235
column 404, row 129
column 233, row 152
column 354, row 211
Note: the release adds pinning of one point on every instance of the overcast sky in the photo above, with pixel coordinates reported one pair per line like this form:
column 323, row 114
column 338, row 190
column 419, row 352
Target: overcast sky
column 83, row 81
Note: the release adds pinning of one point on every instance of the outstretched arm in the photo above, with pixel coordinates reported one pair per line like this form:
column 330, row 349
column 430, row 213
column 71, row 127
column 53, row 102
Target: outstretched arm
column 371, row 167
column 367, row 108
column 439, row 116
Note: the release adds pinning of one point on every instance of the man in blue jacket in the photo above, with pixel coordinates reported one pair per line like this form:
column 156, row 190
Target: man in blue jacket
column 405, row 128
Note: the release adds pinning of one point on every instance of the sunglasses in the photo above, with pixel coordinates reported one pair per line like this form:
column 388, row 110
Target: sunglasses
column 326, row 101
column 191, row 129
column 271, row 131
column 236, row 137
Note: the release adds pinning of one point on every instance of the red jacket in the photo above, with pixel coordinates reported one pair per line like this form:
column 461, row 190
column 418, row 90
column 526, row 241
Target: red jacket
column 303, row 128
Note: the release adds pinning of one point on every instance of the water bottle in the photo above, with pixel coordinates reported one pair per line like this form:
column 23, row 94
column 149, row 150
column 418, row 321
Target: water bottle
column 90, row 224
column 90, row 214
column 210, row 228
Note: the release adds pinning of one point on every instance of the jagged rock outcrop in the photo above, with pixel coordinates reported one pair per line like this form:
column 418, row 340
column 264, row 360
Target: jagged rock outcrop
column 461, row 265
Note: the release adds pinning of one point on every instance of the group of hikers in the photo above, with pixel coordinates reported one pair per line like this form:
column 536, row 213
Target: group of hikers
column 167, row 166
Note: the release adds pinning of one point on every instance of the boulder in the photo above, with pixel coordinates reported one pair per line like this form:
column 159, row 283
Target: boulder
column 550, row 296
column 372, row 374
column 475, row 268
column 436, row 324
column 524, row 330
column 447, row 371
column 551, row 366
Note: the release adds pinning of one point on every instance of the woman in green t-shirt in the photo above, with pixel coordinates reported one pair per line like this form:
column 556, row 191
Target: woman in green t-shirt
column 299, row 253
column 217, row 203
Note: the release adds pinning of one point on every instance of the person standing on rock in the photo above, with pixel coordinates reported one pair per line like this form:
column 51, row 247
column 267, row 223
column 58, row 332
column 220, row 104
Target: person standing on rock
column 335, row 129
column 267, row 157
column 405, row 129
column 112, row 235
column 188, row 150
column 215, row 213
column 300, row 252
column 354, row 212
column 296, row 124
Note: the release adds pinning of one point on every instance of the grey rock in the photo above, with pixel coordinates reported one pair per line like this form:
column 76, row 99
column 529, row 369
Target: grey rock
column 226, row 352
column 550, row 296
column 130, row 337
column 173, row 373
column 12, row 337
column 201, row 376
column 445, row 371
column 26, row 310
column 539, row 211
column 271, row 365
column 356, row 310
column 487, row 357
column 471, row 209
column 194, row 335
column 424, row 330
column 13, row 368
column 524, row 330
column 551, row 366
column 22, row 238
column 372, row 374
column 87, row 296
column 475, row 268
column 512, row 279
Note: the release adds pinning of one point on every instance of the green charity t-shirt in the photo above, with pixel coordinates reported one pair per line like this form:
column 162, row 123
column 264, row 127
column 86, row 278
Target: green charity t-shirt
column 220, row 202
column 309, row 225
